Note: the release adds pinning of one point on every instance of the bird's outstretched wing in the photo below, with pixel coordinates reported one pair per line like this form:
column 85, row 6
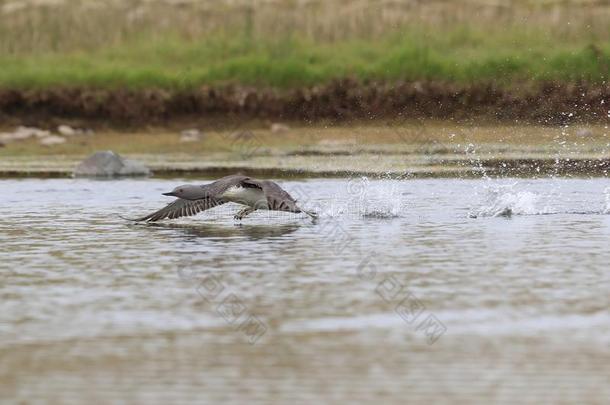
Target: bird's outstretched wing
column 181, row 208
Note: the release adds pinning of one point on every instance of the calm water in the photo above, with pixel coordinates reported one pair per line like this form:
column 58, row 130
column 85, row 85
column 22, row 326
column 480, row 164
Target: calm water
column 421, row 290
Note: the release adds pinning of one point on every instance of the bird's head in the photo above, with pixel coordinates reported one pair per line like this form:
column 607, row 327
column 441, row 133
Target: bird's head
column 186, row 192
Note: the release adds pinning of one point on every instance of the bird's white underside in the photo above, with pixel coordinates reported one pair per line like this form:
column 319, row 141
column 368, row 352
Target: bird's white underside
column 254, row 197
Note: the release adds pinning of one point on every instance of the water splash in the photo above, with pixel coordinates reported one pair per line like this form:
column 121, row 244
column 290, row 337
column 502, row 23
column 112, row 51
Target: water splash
column 382, row 199
column 505, row 201
column 476, row 162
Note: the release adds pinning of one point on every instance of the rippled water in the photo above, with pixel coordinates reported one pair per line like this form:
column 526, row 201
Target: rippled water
column 421, row 290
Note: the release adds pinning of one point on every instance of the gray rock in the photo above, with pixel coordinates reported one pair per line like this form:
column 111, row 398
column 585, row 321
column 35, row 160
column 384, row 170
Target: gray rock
column 109, row 164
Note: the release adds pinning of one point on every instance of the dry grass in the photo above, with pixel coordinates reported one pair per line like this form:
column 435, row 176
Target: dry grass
column 31, row 26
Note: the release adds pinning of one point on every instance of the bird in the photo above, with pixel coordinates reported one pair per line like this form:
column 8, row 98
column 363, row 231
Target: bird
column 254, row 194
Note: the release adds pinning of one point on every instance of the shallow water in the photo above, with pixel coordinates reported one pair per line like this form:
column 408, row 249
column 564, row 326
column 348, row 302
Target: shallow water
column 427, row 290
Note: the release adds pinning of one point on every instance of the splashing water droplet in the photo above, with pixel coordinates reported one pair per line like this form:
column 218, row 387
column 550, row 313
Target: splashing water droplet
column 381, row 199
column 505, row 201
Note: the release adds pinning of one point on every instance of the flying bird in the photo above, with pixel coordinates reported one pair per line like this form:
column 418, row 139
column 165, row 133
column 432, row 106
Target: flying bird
column 254, row 194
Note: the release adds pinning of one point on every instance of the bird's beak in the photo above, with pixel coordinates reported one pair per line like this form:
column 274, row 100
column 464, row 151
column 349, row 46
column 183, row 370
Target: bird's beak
column 170, row 194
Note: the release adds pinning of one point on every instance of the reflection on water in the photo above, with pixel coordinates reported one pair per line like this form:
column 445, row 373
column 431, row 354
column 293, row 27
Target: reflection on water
column 422, row 290
column 224, row 232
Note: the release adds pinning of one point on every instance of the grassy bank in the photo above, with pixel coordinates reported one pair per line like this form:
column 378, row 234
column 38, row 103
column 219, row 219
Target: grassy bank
column 285, row 45
column 294, row 62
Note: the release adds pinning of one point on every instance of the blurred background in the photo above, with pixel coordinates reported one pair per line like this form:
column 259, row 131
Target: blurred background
column 294, row 43
column 171, row 81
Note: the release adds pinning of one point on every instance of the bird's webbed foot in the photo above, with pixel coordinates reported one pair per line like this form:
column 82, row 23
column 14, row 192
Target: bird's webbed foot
column 243, row 213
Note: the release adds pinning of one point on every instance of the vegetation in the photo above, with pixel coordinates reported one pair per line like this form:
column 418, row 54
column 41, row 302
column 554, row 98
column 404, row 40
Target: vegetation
column 182, row 44
column 294, row 62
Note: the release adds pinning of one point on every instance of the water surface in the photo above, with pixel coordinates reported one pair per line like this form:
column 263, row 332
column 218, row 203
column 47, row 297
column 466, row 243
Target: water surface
column 422, row 290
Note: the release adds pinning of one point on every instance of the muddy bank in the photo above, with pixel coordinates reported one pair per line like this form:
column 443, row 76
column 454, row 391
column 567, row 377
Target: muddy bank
column 544, row 103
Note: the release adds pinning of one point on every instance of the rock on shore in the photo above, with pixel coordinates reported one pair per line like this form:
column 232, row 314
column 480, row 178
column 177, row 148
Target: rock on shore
column 23, row 133
column 190, row 135
column 52, row 140
column 109, row 164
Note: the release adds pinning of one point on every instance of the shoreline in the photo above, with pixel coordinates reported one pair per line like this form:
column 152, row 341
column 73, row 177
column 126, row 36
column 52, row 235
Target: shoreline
column 416, row 149
column 525, row 167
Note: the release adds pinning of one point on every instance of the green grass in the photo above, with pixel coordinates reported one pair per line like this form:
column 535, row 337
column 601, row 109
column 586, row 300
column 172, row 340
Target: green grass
column 460, row 55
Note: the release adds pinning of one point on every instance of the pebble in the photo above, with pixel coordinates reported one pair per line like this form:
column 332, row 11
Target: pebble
column 22, row 134
column 190, row 135
column 67, row 130
column 52, row 140
column 30, row 132
column 277, row 128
